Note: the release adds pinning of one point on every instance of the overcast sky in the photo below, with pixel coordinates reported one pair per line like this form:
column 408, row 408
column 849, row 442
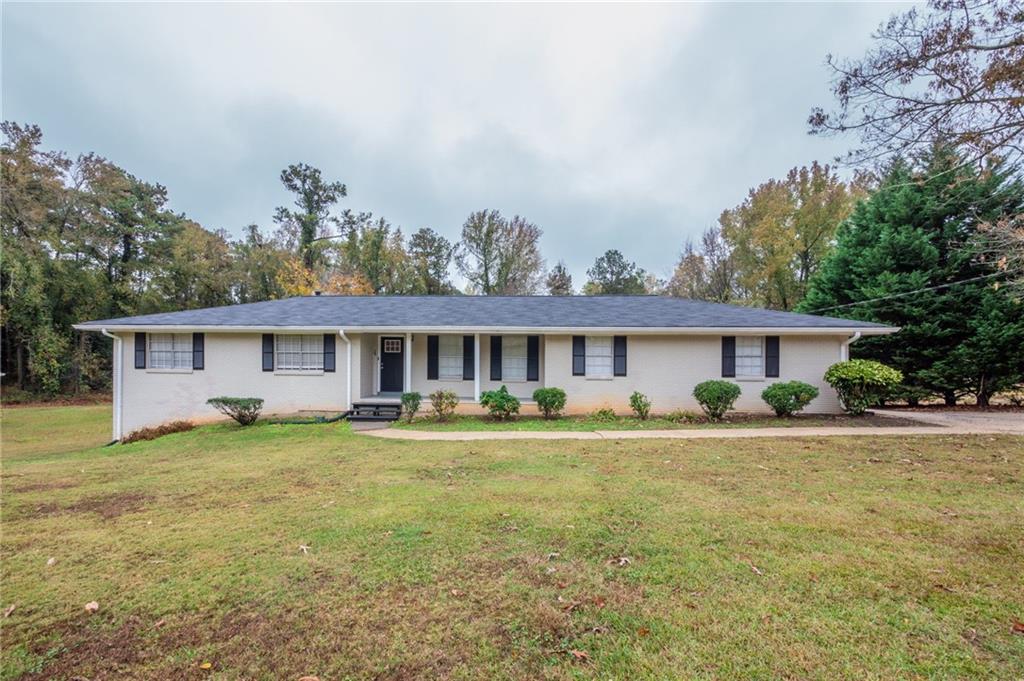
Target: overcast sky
column 610, row 126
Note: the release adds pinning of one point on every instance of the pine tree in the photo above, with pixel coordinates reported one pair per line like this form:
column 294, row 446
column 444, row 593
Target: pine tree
column 917, row 232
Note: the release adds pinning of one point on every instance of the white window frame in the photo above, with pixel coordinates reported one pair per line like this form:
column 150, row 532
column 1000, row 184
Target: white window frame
column 598, row 356
column 180, row 352
column 514, row 359
column 747, row 345
column 310, row 354
column 449, row 357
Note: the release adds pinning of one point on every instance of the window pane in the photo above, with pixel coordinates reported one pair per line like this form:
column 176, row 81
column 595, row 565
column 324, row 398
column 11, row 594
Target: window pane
column 170, row 350
column 749, row 356
column 599, row 356
column 513, row 358
column 449, row 357
column 300, row 353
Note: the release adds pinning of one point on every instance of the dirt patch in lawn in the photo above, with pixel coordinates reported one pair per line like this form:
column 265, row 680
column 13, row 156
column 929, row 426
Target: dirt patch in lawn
column 45, row 486
column 107, row 506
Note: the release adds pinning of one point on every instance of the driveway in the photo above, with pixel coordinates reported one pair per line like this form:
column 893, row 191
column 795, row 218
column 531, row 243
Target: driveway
column 932, row 423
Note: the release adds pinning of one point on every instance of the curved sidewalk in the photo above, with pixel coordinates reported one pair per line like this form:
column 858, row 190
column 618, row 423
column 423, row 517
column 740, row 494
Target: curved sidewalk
column 931, row 424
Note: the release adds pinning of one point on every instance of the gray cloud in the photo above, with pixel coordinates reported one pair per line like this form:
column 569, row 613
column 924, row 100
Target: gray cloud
column 611, row 126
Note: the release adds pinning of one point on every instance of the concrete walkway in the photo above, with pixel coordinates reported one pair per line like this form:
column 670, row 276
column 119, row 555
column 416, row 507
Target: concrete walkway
column 932, row 423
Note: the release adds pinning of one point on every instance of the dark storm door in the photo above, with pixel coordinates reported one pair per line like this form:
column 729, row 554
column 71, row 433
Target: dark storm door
column 392, row 362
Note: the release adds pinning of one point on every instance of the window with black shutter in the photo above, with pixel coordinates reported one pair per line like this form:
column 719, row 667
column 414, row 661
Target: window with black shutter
column 533, row 358
column 579, row 356
column 620, row 356
column 329, row 354
column 140, row 350
column 468, row 359
column 268, row 352
column 771, row 356
column 198, row 351
column 495, row 358
column 432, row 355
column 728, row 356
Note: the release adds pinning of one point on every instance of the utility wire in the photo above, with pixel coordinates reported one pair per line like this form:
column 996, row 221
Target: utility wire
column 907, row 293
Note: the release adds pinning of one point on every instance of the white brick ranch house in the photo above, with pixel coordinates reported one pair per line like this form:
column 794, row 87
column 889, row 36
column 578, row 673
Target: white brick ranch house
column 327, row 353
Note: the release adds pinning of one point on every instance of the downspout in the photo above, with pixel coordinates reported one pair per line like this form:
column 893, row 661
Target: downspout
column 118, row 381
column 348, row 368
column 844, row 348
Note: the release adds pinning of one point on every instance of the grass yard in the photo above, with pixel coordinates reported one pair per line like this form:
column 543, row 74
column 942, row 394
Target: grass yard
column 464, row 422
column 283, row 550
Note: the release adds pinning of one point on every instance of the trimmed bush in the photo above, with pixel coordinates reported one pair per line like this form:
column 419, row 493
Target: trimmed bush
column 861, row 383
column 158, row 431
column 550, row 401
column 500, row 403
column 602, row 414
column 411, row 404
column 245, row 410
column 716, row 397
column 788, row 398
column 640, row 404
column 444, row 403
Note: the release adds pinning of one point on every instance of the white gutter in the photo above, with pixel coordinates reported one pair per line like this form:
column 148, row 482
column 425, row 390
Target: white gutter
column 562, row 330
column 844, row 348
column 348, row 368
column 118, row 381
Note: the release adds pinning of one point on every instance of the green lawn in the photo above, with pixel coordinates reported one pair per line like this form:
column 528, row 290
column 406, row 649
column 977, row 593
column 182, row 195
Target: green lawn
column 462, row 422
column 889, row 558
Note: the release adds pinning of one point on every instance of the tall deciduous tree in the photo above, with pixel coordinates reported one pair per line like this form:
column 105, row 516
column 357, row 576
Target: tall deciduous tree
column 910, row 237
column 612, row 274
column 311, row 219
column 559, row 281
column 500, row 256
column 430, row 258
column 783, row 229
column 705, row 271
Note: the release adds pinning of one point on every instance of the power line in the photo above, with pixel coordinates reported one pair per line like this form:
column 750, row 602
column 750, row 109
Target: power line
column 907, row 293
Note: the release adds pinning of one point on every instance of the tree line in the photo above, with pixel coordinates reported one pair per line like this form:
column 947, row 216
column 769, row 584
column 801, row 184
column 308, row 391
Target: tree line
column 926, row 233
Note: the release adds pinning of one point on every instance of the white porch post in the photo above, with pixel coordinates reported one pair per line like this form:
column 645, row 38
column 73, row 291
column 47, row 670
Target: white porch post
column 476, row 369
column 407, row 377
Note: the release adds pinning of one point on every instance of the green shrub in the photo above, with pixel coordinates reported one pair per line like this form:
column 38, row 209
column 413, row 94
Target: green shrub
column 550, row 401
column 716, row 397
column 640, row 404
column 411, row 404
column 444, row 403
column 684, row 416
column 788, row 398
column 861, row 383
column 157, row 431
column 602, row 414
column 245, row 410
column 500, row 403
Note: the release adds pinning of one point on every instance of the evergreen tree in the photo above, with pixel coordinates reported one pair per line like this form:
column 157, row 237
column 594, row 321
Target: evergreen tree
column 916, row 232
column 612, row 274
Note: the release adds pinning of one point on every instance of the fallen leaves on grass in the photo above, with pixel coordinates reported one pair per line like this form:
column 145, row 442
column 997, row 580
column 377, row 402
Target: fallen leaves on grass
column 8, row 611
column 304, row 548
column 580, row 655
column 1018, row 627
column 619, row 561
column 92, row 606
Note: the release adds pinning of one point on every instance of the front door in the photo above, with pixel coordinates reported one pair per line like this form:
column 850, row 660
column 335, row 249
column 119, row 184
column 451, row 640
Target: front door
column 392, row 363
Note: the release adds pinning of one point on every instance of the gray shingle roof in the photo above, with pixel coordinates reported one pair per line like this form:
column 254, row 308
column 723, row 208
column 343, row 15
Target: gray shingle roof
column 485, row 312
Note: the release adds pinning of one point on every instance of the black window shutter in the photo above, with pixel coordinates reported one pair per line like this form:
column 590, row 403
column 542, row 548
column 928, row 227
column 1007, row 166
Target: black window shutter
column 431, row 358
column 533, row 358
column 579, row 355
column 329, row 353
column 198, row 351
column 728, row 356
column 140, row 350
column 468, row 360
column 495, row 358
column 771, row 356
column 619, row 352
column 268, row 352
